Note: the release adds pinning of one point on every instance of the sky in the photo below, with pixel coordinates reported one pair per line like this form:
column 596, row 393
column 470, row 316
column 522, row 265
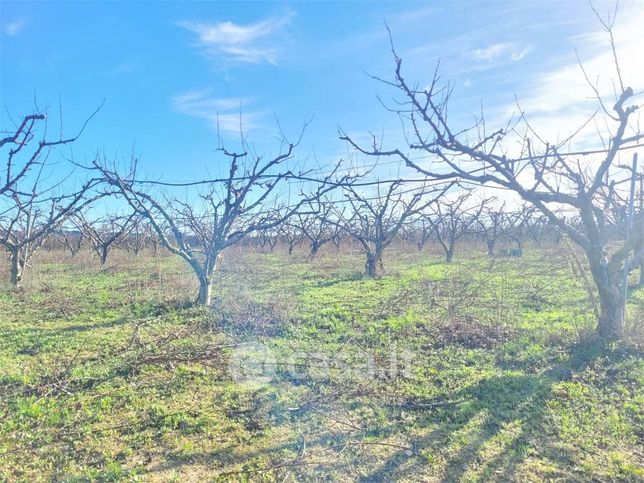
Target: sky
column 173, row 77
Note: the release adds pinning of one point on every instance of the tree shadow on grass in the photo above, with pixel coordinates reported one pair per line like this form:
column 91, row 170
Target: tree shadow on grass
column 485, row 430
column 494, row 425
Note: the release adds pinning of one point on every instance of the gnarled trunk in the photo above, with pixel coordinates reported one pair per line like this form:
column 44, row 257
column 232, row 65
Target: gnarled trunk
column 611, row 298
column 103, row 252
column 373, row 265
column 315, row 248
column 611, row 317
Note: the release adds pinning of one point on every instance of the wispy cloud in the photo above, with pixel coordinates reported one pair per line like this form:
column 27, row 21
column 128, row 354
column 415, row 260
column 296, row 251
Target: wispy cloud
column 13, row 28
column 227, row 115
column 560, row 100
column 500, row 51
column 251, row 43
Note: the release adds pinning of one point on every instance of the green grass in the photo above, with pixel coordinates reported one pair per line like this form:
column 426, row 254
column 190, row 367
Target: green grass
column 112, row 375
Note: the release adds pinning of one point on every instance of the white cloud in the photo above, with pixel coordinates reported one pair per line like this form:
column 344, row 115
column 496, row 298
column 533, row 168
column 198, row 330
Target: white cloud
column 500, row 51
column 13, row 28
column 518, row 55
column 559, row 101
column 223, row 114
column 252, row 43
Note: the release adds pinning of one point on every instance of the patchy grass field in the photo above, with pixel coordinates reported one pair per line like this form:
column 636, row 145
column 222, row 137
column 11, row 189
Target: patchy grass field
column 472, row 371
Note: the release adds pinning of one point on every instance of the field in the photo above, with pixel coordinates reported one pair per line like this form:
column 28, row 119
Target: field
column 302, row 369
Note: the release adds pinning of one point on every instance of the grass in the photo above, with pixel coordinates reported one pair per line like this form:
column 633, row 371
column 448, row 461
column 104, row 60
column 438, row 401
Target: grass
column 111, row 374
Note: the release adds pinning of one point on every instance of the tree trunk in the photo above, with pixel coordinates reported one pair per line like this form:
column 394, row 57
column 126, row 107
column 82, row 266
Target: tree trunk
column 205, row 291
column 449, row 254
column 373, row 265
column 490, row 247
column 290, row 249
column 315, row 247
column 15, row 276
column 611, row 299
column 102, row 254
column 206, row 278
column 421, row 244
column 611, row 317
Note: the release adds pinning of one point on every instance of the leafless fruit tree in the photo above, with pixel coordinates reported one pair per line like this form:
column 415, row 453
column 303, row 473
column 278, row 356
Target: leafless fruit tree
column 517, row 225
column 31, row 208
column 490, row 225
column 71, row 239
column 225, row 211
column 317, row 227
column 268, row 238
column 138, row 237
column 452, row 219
column 418, row 232
column 103, row 233
column 375, row 219
column 547, row 175
column 291, row 234
column 26, row 220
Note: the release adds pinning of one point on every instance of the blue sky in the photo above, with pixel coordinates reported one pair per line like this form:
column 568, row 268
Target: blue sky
column 168, row 70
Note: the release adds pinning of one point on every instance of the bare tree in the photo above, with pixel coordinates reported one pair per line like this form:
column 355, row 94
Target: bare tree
column 103, row 233
column 26, row 220
column 151, row 235
column 227, row 210
column 547, row 175
column 517, row 226
column 537, row 228
column 291, row 234
column 316, row 226
column 490, row 224
column 418, row 232
column 451, row 220
column 268, row 238
column 137, row 237
column 72, row 239
column 30, row 207
column 376, row 219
